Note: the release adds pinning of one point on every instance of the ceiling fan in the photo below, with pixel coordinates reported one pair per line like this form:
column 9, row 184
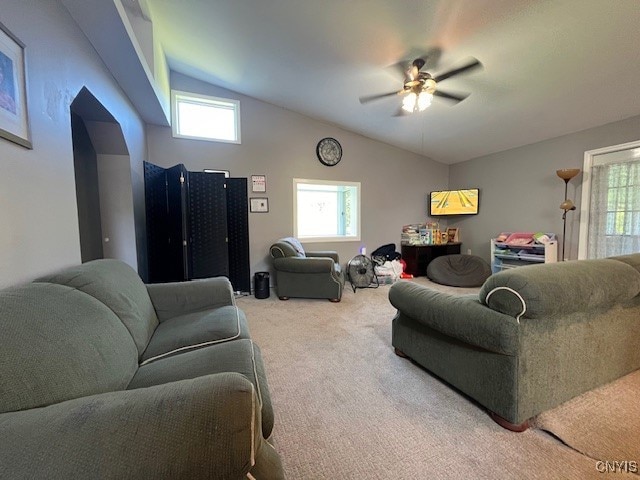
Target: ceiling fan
column 420, row 87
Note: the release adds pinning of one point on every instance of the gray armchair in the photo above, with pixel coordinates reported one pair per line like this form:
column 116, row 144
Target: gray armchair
column 306, row 274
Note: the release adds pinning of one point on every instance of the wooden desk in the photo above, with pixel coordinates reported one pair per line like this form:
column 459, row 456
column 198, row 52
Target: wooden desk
column 418, row 257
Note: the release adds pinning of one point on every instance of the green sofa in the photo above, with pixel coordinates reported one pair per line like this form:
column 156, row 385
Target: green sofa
column 534, row 337
column 102, row 376
column 304, row 274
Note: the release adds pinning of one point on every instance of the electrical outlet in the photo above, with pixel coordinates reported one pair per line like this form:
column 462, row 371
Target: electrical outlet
column 468, row 251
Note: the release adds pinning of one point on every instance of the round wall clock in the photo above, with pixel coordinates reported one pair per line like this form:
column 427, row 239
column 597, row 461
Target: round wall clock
column 329, row 151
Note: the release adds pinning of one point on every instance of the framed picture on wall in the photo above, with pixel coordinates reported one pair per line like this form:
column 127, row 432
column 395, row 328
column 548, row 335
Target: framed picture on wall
column 258, row 183
column 14, row 120
column 258, row 205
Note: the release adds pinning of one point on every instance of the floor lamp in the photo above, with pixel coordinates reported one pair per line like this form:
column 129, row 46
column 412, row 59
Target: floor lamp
column 567, row 205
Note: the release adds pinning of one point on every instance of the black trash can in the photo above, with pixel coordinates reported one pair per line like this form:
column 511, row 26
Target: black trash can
column 261, row 284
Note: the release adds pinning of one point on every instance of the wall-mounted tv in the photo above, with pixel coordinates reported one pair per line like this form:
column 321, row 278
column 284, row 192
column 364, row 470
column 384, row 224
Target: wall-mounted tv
column 454, row 202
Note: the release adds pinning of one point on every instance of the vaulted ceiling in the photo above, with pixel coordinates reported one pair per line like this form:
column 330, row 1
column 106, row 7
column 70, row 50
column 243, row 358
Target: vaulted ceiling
column 551, row 67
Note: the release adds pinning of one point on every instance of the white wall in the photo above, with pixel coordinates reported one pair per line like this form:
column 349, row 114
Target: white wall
column 38, row 210
column 116, row 207
column 281, row 144
column 520, row 190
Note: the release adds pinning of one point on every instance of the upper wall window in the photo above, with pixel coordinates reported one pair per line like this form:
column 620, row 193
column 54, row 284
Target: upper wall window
column 202, row 117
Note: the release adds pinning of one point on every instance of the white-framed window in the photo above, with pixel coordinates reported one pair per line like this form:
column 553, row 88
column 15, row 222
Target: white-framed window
column 202, row 117
column 610, row 217
column 326, row 210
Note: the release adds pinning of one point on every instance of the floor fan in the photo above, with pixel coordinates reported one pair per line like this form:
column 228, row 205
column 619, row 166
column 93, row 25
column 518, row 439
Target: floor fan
column 361, row 274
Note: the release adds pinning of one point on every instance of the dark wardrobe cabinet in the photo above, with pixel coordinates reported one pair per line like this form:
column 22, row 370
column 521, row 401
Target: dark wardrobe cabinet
column 197, row 226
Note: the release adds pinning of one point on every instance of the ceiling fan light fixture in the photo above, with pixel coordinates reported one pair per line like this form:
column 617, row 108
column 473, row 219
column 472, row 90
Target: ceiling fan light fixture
column 420, row 87
column 409, row 102
column 429, row 86
column 424, row 100
column 413, row 102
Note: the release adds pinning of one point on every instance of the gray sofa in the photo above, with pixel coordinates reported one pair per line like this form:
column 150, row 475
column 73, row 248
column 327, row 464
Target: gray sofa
column 306, row 274
column 102, row 376
column 533, row 338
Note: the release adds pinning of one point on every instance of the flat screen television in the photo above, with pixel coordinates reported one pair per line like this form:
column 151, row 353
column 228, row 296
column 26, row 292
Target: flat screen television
column 454, row 202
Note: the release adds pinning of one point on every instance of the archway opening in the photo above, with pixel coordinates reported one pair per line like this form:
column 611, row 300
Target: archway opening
column 103, row 182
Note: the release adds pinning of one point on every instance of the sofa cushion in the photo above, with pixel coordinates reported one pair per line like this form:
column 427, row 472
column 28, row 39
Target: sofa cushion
column 56, row 344
column 119, row 287
column 558, row 288
column 241, row 356
column 173, row 299
column 195, row 330
column 632, row 260
column 459, row 317
column 202, row 428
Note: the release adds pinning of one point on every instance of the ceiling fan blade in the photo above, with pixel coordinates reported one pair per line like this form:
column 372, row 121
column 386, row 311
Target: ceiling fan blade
column 457, row 71
column 451, row 96
column 403, row 68
column 432, row 57
column 371, row 98
column 414, row 70
column 412, row 73
column 401, row 112
column 409, row 69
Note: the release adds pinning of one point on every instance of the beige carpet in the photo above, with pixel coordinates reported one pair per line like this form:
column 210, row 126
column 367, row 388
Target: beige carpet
column 603, row 424
column 346, row 407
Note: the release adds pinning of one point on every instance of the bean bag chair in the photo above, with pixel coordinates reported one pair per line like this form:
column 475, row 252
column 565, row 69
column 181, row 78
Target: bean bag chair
column 459, row 270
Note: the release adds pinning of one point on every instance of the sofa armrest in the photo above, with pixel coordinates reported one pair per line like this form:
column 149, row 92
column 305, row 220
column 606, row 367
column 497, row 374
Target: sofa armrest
column 459, row 316
column 207, row 427
column 324, row 253
column 179, row 298
column 304, row 264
